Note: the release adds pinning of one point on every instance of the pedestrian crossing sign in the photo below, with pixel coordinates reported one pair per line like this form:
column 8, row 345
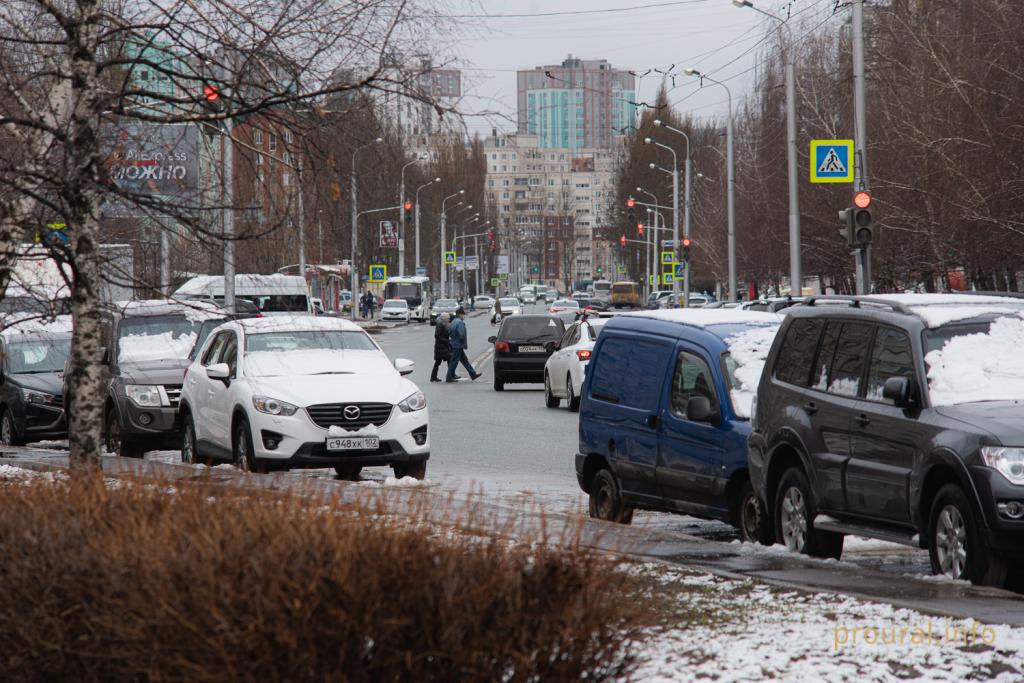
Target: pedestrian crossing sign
column 668, row 258
column 621, row 268
column 449, row 258
column 667, row 279
column 495, row 282
column 832, row 161
column 378, row 272
column 503, row 277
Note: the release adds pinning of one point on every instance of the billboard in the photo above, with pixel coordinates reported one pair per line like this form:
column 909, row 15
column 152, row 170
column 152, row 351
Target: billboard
column 501, row 263
column 388, row 234
column 155, row 161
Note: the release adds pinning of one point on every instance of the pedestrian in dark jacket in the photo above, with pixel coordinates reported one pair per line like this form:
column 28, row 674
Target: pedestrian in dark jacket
column 442, row 345
column 457, row 335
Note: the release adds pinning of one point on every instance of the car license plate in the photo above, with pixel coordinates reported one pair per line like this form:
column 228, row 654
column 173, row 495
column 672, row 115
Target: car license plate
column 353, row 443
column 531, row 349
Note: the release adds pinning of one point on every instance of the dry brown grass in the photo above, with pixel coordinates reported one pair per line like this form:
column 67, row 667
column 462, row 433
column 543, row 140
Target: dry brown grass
column 135, row 582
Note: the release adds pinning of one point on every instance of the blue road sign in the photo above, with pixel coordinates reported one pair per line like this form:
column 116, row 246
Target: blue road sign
column 680, row 271
column 378, row 273
column 667, row 279
column 831, row 161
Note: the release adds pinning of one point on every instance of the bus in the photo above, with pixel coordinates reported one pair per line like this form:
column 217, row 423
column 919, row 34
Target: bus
column 625, row 294
column 417, row 292
column 601, row 289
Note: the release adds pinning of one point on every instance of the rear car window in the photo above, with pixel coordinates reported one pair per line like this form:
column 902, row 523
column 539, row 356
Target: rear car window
column 630, row 370
column 851, row 352
column 796, row 355
column 529, row 327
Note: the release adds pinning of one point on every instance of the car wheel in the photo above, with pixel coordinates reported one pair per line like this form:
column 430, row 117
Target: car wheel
column 8, row 431
column 349, row 472
column 550, row 400
column 606, row 500
column 571, row 399
column 752, row 518
column 242, row 449
column 499, row 384
column 955, row 545
column 794, row 512
column 189, row 456
column 416, row 470
column 118, row 444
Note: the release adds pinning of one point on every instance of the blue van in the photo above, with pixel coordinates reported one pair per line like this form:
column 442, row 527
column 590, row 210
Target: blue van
column 665, row 415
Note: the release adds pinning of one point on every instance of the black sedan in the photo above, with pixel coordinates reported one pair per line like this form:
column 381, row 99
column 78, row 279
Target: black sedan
column 522, row 347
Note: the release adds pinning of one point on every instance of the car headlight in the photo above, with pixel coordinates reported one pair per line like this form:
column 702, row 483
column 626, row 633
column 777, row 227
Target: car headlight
column 39, row 397
column 272, row 406
column 1009, row 462
column 413, row 403
column 144, row 395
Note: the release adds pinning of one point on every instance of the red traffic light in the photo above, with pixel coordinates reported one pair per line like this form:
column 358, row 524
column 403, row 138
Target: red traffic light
column 408, row 206
column 631, row 202
column 686, row 242
column 640, row 229
column 622, row 241
column 862, row 200
column 211, row 92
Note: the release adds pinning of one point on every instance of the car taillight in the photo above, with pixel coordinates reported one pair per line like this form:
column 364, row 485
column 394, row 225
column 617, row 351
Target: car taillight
column 501, row 346
column 583, row 354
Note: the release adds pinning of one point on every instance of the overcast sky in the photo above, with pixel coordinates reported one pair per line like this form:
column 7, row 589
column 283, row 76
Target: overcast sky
column 712, row 36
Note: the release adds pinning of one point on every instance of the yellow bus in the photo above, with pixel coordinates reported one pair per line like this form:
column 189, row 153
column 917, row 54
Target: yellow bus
column 625, row 294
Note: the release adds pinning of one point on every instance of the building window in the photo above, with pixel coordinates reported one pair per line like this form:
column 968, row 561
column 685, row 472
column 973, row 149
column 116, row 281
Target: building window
column 257, row 137
column 288, row 136
column 273, row 142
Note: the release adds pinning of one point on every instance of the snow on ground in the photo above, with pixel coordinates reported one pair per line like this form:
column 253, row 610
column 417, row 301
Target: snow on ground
column 740, row 630
column 11, row 473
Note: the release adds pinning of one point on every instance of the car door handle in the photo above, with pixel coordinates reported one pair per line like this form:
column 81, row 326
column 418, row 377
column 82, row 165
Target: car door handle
column 811, row 407
column 652, row 421
column 862, row 420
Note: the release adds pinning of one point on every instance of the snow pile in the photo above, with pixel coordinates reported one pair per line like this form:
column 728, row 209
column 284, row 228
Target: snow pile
column 979, row 367
column 136, row 348
column 10, row 472
column 702, row 317
column 750, row 350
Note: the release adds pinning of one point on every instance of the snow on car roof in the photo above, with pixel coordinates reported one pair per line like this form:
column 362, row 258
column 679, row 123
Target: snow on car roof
column 940, row 309
column 295, row 323
column 15, row 325
column 704, row 317
column 193, row 310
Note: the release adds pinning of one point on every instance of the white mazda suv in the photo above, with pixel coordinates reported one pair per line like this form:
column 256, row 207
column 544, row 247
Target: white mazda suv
column 301, row 391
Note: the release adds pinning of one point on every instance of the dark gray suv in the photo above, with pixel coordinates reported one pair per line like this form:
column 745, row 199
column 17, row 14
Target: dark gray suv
column 898, row 417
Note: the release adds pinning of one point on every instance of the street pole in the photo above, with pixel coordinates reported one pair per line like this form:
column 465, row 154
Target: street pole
column 229, row 218
column 863, row 254
column 686, row 224
column 302, row 224
column 401, row 226
column 476, row 252
column 731, row 172
column 416, row 218
column 165, row 262
column 354, row 274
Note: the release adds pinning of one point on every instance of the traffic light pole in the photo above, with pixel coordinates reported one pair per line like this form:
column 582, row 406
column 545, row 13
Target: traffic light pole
column 863, row 254
column 229, row 217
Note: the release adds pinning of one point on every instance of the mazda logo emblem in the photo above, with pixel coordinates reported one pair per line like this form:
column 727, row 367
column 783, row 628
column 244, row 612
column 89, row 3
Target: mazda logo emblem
column 351, row 412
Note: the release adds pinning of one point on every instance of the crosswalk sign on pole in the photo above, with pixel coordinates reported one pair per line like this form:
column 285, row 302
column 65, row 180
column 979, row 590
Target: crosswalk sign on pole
column 668, row 279
column 495, row 282
column 449, row 258
column 668, row 257
column 832, row 161
column 378, row 272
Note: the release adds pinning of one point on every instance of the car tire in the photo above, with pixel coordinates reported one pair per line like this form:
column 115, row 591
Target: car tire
column 606, row 499
column 499, row 384
column 9, row 431
column 348, row 472
column 117, row 444
column 550, row 400
column 752, row 518
column 416, row 470
column 571, row 399
column 242, row 448
column 189, row 454
column 956, row 545
column 794, row 513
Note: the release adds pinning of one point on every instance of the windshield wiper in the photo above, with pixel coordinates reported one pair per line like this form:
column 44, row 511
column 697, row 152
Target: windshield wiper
column 542, row 337
column 334, row 372
column 36, row 372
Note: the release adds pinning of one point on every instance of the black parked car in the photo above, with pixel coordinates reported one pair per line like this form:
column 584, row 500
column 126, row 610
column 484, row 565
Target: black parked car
column 522, row 347
column 899, row 418
column 31, row 404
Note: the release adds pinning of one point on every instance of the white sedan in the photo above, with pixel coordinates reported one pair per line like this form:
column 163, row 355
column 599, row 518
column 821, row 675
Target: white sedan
column 509, row 306
column 300, row 391
column 482, row 302
column 395, row 309
column 562, row 305
column 565, row 368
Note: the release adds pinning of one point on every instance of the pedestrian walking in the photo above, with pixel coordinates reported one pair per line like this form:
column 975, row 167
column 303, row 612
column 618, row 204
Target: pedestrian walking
column 460, row 341
column 442, row 345
column 496, row 316
column 362, row 305
column 371, row 303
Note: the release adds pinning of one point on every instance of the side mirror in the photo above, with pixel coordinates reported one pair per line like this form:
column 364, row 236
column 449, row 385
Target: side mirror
column 698, row 409
column 551, row 347
column 218, row 371
column 492, row 339
column 898, row 390
column 104, row 356
column 404, row 366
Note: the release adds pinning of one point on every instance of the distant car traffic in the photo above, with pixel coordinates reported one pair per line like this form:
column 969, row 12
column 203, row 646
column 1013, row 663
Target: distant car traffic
column 395, row 309
column 522, row 347
column 33, row 356
column 296, row 392
column 528, row 296
column 509, row 306
column 482, row 302
column 440, row 306
column 565, row 368
column 561, row 305
column 551, row 295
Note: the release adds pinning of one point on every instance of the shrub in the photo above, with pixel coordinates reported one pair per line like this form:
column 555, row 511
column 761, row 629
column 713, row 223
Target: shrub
column 146, row 582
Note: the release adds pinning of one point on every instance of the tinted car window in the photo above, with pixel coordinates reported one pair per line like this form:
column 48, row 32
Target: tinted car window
column 630, row 370
column 567, row 337
column 851, row 355
column 692, row 378
column 819, row 380
column 213, row 353
column 797, row 352
column 891, row 357
column 532, row 327
column 230, row 354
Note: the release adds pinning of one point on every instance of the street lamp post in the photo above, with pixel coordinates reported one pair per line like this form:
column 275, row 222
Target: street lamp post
column 730, row 164
column 654, row 247
column 417, row 196
column 354, row 274
column 444, row 221
column 687, row 202
column 675, row 215
column 795, row 274
column 401, row 214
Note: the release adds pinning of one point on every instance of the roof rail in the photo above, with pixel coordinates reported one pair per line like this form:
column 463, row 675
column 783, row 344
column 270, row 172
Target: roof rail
column 856, row 301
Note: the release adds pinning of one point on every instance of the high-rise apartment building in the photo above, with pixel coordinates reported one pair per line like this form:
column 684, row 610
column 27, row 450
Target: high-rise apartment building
column 577, row 104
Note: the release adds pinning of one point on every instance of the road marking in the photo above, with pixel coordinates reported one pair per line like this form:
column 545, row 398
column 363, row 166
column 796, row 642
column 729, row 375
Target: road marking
column 483, row 357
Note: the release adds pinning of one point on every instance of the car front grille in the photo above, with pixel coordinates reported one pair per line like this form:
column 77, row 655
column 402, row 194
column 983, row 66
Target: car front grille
column 173, row 394
column 327, row 414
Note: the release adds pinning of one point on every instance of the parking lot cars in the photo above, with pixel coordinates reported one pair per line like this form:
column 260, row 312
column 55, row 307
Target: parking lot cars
column 440, row 306
column 664, row 415
column 395, row 309
column 482, row 302
column 146, row 348
column 564, row 370
column 902, row 418
column 522, row 347
column 290, row 392
column 33, row 355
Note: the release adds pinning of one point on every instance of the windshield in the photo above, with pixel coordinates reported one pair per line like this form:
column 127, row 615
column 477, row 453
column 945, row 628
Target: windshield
column 161, row 337
column 38, row 355
column 445, row 303
column 623, row 289
column 975, row 362
column 534, row 328
column 395, row 304
column 279, row 303
column 509, row 302
column 330, row 340
column 403, row 290
column 567, row 303
column 602, row 286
